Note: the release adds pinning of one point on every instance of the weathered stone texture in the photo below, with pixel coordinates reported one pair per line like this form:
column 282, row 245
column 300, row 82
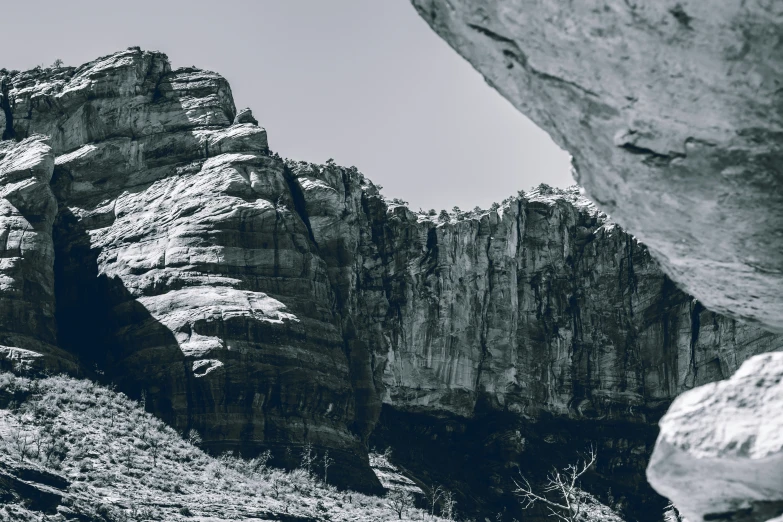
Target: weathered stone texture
column 268, row 303
column 673, row 113
column 176, row 238
column 720, row 451
column 543, row 305
column 28, row 331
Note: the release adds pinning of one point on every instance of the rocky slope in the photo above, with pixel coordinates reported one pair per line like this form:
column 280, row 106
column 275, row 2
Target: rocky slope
column 268, row 303
column 72, row 450
column 673, row 113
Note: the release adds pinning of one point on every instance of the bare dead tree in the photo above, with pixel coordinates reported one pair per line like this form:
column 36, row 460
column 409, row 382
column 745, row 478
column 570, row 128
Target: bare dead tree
column 308, row 458
column 194, row 438
column 447, row 510
column 21, row 440
column 276, row 486
column 327, row 461
column 435, row 493
column 128, row 455
column 54, row 449
column 399, row 501
column 561, row 484
column 155, row 443
column 38, row 440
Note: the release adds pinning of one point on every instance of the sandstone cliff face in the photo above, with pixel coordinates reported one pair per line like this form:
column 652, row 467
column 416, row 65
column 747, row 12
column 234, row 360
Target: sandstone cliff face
column 268, row 303
column 673, row 113
column 541, row 305
column 176, row 236
column 545, row 305
column 28, row 331
column 542, row 321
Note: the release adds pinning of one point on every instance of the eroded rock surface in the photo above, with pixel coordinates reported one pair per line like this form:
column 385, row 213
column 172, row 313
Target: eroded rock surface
column 673, row 113
column 28, row 330
column 176, row 237
column 720, row 451
column 533, row 329
column 269, row 303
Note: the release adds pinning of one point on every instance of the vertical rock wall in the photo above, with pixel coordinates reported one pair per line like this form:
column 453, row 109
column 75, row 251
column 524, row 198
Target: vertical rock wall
column 28, row 330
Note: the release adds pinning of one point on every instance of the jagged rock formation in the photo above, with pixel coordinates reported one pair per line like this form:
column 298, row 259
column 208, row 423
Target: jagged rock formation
column 267, row 303
column 673, row 113
column 720, row 451
column 39, row 489
column 173, row 235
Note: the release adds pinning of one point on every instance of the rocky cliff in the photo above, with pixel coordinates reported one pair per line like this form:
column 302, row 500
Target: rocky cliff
column 28, row 336
column 266, row 303
column 673, row 113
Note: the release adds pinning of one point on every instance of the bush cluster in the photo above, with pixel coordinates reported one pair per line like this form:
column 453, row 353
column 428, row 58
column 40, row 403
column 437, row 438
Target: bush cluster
column 123, row 464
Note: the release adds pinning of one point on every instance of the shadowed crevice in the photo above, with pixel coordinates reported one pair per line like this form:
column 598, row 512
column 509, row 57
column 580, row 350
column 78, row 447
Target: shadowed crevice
column 5, row 105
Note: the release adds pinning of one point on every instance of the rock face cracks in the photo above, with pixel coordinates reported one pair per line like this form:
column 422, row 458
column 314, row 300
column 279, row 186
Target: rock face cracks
column 673, row 113
column 153, row 240
column 28, row 331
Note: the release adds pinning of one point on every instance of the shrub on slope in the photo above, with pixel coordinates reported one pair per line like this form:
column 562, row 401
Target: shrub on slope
column 124, row 464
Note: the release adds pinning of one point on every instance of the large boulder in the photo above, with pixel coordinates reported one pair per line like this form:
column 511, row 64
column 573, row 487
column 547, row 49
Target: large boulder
column 719, row 455
column 673, row 113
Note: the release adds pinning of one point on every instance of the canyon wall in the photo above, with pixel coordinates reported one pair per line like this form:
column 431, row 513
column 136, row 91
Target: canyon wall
column 266, row 303
column 673, row 114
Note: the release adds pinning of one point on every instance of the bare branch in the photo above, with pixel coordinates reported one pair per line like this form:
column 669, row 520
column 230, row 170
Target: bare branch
column 527, row 493
column 553, row 513
column 564, row 484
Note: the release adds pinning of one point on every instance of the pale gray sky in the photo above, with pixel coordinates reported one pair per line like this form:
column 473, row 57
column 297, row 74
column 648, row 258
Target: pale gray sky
column 365, row 82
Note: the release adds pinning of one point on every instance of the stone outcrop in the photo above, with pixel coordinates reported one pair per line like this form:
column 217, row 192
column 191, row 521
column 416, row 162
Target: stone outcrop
column 673, row 113
column 545, row 306
column 28, row 331
column 176, row 236
column 38, row 488
column 542, row 319
column 719, row 455
column 266, row 303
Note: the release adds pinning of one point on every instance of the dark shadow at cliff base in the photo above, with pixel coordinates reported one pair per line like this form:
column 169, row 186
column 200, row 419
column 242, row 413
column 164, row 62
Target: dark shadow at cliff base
column 479, row 458
column 94, row 316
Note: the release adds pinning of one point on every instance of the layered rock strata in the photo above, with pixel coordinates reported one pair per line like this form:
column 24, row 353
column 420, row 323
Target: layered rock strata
column 28, row 330
column 673, row 113
column 269, row 303
column 176, row 235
